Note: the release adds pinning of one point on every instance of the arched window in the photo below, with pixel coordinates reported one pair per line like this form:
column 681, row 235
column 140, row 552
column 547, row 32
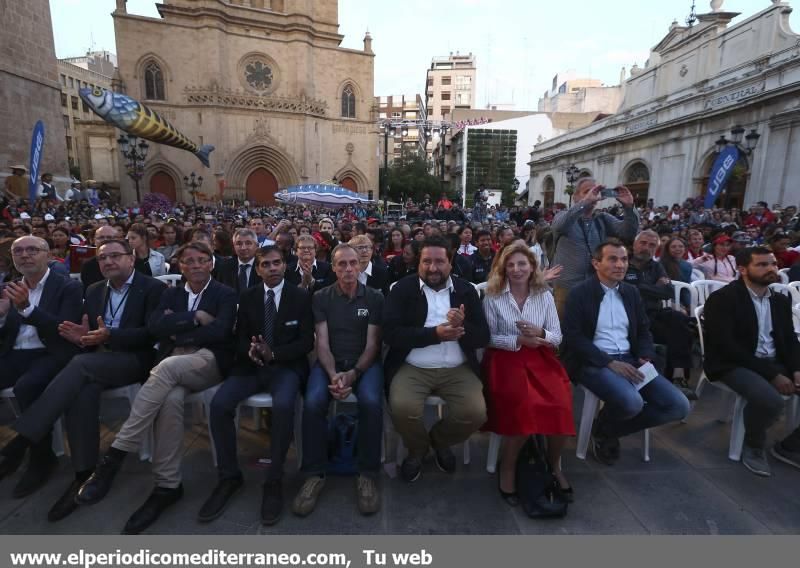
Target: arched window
column 549, row 191
column 153, row 82
column 348, row 102
column 637, row 179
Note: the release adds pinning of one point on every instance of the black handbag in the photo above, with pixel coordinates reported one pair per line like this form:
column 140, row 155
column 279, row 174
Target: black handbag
column 537, row 487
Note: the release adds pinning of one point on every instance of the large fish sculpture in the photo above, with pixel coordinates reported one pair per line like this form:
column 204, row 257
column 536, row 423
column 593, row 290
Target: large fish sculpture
column 137, row 119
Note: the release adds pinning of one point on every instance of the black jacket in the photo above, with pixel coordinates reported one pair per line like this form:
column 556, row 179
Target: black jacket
column 380, row 278
column 731, row 333
column 132, row 335
column 62, row 300
column 90, row 273
column 228, row 274
column 580, row 325
column 294, row 328
column 646, row 280
column 322, row 272
column 219, row 301
column 404, row 316
column 481, row 267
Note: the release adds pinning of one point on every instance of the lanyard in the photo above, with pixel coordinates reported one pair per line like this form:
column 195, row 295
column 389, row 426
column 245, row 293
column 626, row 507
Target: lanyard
column 196, row 301
column 110, row 305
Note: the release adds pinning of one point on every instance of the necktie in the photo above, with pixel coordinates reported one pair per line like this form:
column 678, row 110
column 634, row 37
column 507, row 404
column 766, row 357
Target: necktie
column 269, row 318
column 242, row 277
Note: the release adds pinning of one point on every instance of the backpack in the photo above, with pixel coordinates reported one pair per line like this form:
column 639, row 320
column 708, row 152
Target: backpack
column 537, row 488
column 342, row 451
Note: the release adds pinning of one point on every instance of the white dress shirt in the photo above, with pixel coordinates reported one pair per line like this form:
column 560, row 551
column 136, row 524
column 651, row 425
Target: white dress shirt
column 444, row 355
column 503, row 313
column 28, row 336
column 278, row 292
column 611, row 335
column 367, row 272
column 765, row 349
column 194, row 299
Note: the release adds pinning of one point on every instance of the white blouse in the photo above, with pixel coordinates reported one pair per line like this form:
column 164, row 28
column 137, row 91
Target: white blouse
column 502, row 313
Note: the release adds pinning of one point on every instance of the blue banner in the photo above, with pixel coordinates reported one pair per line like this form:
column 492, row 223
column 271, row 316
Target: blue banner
column 721, row 173
column 37, row 143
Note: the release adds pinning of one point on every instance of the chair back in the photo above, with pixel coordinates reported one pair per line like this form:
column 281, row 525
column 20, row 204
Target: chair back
column 704, row 288
column 172, row 280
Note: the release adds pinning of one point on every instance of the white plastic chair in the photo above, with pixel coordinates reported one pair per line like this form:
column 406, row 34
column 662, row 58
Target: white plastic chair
column 201, row 407
column 58, row 430
column 591, row 406
column 792, row 292
column 704, row 288
column 678, row 287
column 784, row 274
column 481, row 289
column 75, row 276
column 794, row 286
column 737, row 417
column 264, row 400
column 172, row 280
column 439, row 403
column 697, row 274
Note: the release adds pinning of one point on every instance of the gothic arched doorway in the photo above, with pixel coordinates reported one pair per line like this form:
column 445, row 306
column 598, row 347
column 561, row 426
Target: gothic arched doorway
column 163, row 183
column 261, row 187
column 637, row 179
column 349, row 183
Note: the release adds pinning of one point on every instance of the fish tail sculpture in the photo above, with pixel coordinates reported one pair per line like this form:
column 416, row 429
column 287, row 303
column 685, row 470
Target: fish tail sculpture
column 135, row 118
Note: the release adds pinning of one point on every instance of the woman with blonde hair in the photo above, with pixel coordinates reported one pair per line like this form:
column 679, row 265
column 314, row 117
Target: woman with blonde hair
column 527, row 390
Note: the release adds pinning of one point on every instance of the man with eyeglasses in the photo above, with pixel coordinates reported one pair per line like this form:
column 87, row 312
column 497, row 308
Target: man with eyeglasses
column 31, row 349
column 306, row 271
column 90, row 271
column 372, row 274
column 194, row 328
column 116, row 351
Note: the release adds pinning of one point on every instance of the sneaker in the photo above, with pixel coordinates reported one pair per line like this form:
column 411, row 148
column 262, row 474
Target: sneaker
column 411, row 469
column 790, row 457
column 369, row 499
column 605, row 450
column 755, row 459
column 445, row 459
column 306, row 498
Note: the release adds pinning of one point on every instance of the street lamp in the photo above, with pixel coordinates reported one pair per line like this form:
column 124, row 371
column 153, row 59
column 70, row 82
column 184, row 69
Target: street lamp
column 737, row 133
column 135, row 152
column 192, row 183
column 572, row 176
column 442, row 136
column 388, row 130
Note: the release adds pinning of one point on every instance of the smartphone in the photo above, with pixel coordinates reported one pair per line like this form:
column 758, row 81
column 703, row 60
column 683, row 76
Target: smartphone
column 609, row 192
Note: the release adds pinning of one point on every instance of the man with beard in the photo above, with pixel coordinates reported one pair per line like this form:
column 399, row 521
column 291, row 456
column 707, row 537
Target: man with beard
column 751, row 346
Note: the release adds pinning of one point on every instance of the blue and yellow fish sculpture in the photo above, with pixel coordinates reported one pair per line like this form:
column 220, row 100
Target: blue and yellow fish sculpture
column 137, row 119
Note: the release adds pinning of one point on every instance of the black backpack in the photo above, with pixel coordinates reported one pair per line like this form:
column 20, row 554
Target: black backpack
column 537, row 488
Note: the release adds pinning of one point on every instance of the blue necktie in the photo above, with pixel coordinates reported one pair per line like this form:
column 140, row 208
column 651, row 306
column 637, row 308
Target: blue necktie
column 242, row 277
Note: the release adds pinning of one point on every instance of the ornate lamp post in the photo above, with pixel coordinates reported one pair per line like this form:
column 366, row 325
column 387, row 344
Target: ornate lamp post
column 135, row 152
column 388, row 130
column 737, row 134
column 572, row 176
column 192, row 183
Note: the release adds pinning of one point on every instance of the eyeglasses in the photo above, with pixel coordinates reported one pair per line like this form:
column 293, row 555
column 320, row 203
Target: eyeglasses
column 30, row 251
column 361, row 248
column 113, row 256
column 306, row 248
column 195, row 261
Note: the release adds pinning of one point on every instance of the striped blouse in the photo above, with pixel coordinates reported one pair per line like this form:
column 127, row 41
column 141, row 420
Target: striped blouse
column 502, row 313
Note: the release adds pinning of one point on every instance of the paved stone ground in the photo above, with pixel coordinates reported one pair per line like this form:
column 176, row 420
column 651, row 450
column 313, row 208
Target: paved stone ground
column 689, row 487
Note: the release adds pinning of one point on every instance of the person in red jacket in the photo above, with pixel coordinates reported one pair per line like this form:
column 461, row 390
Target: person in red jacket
column 760, row 215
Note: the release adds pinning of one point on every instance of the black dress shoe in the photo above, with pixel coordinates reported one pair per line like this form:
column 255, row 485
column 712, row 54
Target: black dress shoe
column 98, row 485
column 37, row 473
column 272, row 502
column 445, row 459
column 218, row 501
column 10, row 464
column 160, row 499
column 65, row 504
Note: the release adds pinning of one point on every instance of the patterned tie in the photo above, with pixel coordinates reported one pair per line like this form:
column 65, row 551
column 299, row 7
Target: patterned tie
column 269, row 318
column 242, row 277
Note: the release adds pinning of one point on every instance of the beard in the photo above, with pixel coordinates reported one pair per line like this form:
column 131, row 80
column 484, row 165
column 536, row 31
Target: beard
column 765, row 279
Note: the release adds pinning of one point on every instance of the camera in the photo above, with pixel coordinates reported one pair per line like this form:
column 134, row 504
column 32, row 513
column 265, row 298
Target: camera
column 609, row 192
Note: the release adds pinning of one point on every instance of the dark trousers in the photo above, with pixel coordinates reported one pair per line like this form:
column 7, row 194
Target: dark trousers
column 283, row 384
column 29, row 371
column 369, row 392
column 75, row 391
column 763, row 409
column 671, row 328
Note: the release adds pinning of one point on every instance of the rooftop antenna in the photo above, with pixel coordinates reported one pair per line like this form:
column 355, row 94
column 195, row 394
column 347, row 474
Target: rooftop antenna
column 692, row 19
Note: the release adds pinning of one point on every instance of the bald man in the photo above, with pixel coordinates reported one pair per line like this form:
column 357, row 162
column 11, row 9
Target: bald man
column 90, row 271
column 31, row 349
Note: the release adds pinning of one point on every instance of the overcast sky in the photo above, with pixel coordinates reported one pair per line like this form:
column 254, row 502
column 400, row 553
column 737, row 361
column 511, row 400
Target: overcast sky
column 520, row 44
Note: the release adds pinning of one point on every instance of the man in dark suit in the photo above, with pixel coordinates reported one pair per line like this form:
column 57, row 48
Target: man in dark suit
column 194, row 328
column 31, row 350
column 306, row 271
column 751, row 346
column 373, row 274
column 434, row 324
column 239, row 272
column 90, row 271
column 117, row 351
column 607, row 338
column 275, row 330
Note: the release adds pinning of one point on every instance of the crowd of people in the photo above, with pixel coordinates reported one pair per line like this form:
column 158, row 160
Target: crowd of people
column 497, row 316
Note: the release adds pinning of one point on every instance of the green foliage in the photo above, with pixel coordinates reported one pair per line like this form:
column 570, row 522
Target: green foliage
column 409, row 176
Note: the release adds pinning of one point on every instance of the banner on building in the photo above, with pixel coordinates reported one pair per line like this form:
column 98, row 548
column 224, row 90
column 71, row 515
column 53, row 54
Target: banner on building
column 37, row 143
column 721, row 173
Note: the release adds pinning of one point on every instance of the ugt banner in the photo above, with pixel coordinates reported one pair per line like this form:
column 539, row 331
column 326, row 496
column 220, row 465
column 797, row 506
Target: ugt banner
column 37, row 143
column 721, row 173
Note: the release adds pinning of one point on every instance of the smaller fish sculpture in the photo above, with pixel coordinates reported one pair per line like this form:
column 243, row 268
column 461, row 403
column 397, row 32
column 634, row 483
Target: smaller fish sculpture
column 135, row 118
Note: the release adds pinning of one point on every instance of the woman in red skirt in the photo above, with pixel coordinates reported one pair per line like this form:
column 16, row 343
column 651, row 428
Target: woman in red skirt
column 527, row 389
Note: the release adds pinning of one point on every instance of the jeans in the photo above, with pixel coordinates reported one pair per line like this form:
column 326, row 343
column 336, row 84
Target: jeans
column 283, row 384
column 369, row 392
column 627, row 410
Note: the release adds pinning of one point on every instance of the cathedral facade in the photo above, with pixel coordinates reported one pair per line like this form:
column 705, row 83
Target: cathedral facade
column 265, row 81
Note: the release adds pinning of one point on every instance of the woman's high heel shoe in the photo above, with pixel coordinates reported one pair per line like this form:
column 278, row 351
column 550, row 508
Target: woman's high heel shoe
column 511, row 499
